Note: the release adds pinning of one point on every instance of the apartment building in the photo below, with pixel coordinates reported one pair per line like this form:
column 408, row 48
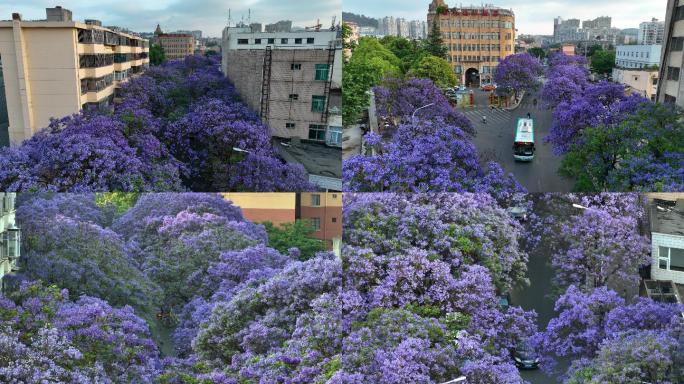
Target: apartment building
column 324, row 212
column 10, row 237
column 292, row 79
column 476, row 38
column 175, row 45
column 670, row 89
column 637, row 56
column 667, row 237
column 56, row 67
column 651, row 32
column 277, row 207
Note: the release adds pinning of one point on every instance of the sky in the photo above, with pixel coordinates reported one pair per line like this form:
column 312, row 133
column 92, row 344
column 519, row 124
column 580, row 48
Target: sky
column 209, row 16
column 531, row 16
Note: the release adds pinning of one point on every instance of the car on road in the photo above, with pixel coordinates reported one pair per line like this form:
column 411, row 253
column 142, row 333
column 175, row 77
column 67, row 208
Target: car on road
column 518, row 213
column 488, row 87
column 461, row 88
column 525, row 356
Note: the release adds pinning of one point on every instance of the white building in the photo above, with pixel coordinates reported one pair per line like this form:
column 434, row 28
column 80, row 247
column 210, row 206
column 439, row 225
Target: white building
column 651, row 32
column 640, row 81
column 403, row 29
column 10, row 236
column 637, row 56
column 667, row 237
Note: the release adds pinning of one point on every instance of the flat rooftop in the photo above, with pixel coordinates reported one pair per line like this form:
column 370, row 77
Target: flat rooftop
column 667, row 216
column 322, row 163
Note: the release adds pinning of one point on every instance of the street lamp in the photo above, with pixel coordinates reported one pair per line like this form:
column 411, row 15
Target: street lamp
column 461, row 379
column 236, row 149
column 418, row 109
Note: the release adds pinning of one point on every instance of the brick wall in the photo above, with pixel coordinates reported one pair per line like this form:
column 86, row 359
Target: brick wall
column 245, row 69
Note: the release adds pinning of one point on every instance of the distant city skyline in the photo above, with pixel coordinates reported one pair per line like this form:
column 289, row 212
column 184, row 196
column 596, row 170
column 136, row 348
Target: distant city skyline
column 532, row 17
column 209, row 16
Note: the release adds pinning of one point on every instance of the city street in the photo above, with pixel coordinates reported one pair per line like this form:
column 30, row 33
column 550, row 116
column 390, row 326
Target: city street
column 495, row 139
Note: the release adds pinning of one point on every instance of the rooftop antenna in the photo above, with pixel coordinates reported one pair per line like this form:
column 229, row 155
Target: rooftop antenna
column 230, row 19
column 249, row 15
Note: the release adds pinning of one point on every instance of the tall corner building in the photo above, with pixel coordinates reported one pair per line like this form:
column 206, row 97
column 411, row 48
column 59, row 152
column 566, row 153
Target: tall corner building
column 670, row 89
column 476, row 38
column 56, row 67
column 293, row 80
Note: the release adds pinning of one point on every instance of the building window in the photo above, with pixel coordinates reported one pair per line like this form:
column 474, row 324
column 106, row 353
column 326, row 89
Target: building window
column 298, row 40
column 283, row 41
column 315, row 223
column 271, row 41
column 243, row 41
column 671, row 259
column 309, row 40
column 294, row 96
column 315, row 200
column 295, row 67
column 290, row 125
column 334, row 219
column 322, row 71
column 317, row 103
column 257, row 41
column 672, row 73
column 335, row 136
column 677, row 43
column 670, row 99
column 316, row 132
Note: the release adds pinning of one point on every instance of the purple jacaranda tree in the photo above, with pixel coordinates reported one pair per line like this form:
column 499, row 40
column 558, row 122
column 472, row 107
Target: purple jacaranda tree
column 587, row 321
column 423, row 157
column 45, row 337
column 156, row 139
column 599, row 248
column 600, row 104
column 397, row 100
column 519, row 72
column 563, row 83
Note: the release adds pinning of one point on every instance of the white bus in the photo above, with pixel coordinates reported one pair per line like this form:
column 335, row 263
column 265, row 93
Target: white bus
column 523, row 147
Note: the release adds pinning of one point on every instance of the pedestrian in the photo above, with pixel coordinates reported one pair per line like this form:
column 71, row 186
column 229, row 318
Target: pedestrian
column 484, row 119
column 534, row 102
column 528, row 115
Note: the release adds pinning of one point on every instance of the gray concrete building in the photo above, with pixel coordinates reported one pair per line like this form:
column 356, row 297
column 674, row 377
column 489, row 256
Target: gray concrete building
column 670, row 89
column 10, row 238
column 651, row 32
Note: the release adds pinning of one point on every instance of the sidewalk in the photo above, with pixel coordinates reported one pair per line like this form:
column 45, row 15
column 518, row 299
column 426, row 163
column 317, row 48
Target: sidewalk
column 516, row 105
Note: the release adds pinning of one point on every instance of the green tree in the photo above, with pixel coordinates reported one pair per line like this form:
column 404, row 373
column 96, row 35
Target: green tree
column 122, row 201
column 436, row 69
column 369, row 64
column 593, row 49
column 298, row 234
column 537, row 52
column 603, row 62
column 435, row 45
column 157, row 55
column 346, row 35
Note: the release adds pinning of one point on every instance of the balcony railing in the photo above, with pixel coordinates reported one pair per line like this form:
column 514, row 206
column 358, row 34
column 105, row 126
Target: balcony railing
column 97, row 36
column 95, row 61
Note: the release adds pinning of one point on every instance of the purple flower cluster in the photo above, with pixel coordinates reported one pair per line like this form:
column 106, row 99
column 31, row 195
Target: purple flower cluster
column 45, row 337
column 422, row 272
column 174, row 130
column 518, row 72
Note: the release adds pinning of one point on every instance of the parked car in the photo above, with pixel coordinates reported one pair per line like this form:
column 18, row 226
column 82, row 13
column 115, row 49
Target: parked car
column 461, row 88
column 525, row 356
column 488, row 87
column 504, row 302
column 518, row 213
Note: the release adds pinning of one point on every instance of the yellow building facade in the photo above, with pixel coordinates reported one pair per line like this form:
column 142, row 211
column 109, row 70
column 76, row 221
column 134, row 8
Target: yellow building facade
column 276, row 207
column 56, row 67
column 476, row 38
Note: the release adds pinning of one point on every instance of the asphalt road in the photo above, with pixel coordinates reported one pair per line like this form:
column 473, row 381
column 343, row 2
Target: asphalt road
column 494, row 141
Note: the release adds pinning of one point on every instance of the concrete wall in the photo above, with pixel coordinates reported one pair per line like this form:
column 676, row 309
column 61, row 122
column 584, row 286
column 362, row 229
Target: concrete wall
column 665, row 240
column 641, row 82
column 329, row 213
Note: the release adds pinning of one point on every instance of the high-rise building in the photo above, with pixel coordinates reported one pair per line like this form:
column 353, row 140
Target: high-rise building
column 476, row 38
column 56, row 67
column 651, row 32
column 175, row 45
column 403, row 28
column 565, row 30
column 671, row 63
column 10, row 237
column 597, row 23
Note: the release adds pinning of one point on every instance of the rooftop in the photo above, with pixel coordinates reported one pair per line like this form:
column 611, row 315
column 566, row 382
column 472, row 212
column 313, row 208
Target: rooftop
column 321, row 162
column 667, row 216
